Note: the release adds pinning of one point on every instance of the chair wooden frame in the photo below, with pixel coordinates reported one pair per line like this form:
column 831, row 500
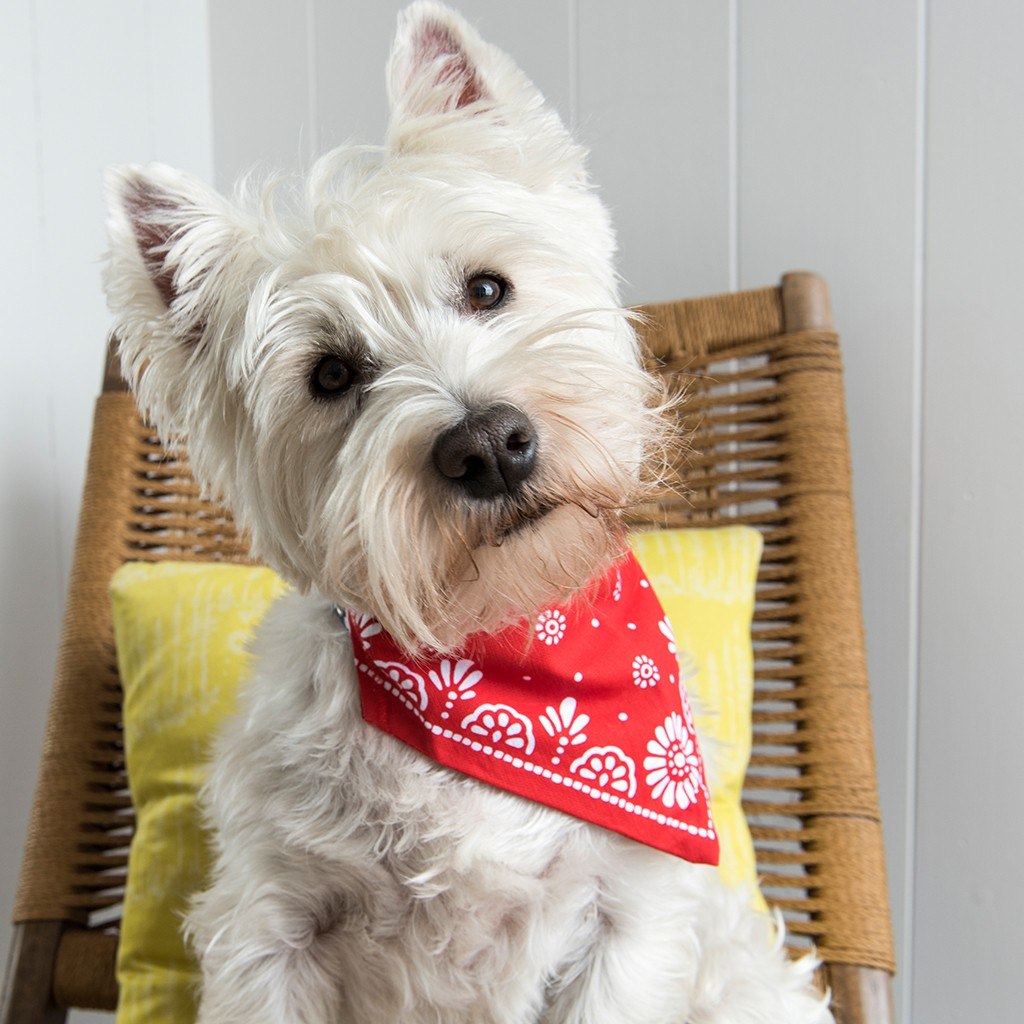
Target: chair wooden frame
column 766, row 423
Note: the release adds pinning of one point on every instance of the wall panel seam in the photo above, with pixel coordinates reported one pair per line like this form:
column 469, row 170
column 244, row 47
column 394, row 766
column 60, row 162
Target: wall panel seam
column 734, row 146
column 916, row 508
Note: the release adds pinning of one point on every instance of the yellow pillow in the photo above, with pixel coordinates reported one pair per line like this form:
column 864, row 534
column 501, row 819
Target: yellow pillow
column 705, row 579
column 181, row 631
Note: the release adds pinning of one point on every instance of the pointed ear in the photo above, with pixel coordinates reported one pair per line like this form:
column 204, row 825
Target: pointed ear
column 431, row 71
column 450, row 91
column 180, row 267
column 171, row 239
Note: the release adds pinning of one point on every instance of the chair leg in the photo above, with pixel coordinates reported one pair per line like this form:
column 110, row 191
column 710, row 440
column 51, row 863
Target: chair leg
column 861, row 995
column 28, row 984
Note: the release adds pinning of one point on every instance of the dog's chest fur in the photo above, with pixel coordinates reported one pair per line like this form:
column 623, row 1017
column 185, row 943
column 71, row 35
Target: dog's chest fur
column 429, row 861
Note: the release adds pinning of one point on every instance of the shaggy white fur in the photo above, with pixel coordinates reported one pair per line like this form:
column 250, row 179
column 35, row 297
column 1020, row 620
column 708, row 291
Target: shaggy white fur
column 355, row 881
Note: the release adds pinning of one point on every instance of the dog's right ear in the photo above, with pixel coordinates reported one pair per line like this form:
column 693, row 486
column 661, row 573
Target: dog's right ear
column 180, row 267
column 170, row 236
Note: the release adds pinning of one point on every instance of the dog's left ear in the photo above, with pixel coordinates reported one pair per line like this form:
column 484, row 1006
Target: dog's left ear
column 452, row 92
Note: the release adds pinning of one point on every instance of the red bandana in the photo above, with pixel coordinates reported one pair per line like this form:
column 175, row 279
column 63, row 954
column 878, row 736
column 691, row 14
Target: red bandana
column 581, row 710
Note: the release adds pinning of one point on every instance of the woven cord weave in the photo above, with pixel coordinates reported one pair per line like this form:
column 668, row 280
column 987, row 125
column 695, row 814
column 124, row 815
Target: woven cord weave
column 80, row 799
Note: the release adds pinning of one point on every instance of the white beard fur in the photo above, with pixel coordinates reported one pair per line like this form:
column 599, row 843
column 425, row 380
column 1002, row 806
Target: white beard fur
column 355, row 881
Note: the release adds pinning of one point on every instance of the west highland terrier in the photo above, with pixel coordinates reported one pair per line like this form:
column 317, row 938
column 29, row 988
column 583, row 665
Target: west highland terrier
column 463, row 786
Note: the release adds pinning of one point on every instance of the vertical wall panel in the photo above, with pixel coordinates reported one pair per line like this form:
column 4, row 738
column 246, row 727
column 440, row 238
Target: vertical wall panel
column 654, row 107
column 827, row 181
column 351, row 43
column 259, row 76
column 970, row 902
column 30, row 588
column 178, row 84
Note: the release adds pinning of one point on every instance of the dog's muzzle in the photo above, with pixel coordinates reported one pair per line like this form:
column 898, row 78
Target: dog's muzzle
column 490, row 453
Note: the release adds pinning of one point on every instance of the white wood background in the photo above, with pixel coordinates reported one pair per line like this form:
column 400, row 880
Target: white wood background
column 878, row 142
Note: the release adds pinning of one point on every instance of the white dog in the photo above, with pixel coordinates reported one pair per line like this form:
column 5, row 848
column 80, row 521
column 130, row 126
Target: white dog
column 414, row 386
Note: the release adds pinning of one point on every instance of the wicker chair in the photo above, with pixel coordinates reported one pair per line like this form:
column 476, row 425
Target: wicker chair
column 767, row 425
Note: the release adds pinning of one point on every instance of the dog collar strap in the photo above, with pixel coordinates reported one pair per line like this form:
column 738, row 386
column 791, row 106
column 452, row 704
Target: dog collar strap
column 582, row 710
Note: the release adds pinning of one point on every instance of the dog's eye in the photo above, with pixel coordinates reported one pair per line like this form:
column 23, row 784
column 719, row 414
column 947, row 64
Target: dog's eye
column 332, row 377
column 486, row 291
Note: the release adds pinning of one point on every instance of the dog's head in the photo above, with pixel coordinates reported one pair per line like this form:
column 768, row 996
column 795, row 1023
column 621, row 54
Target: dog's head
column 410, row 379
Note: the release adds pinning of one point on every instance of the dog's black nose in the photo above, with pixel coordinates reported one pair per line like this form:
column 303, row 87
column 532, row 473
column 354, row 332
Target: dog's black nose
column 490, row 453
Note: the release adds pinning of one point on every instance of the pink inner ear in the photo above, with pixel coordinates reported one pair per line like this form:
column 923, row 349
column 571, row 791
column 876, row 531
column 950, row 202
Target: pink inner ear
column 151, row 213
column 435, row 41
column 143, row 205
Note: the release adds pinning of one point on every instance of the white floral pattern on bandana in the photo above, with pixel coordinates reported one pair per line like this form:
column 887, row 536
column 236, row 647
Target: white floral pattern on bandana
column 366, row 626
column 406, row 681
column 598, row 730
column 564, row 726
column 550, row 626
column 645, row 671
column 607, row 768
column 456, row 681
column 675, row 774
column 666, row 631
column 501, row 726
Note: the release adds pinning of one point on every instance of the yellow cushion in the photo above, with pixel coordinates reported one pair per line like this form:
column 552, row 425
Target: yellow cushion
column 181, row 631
column 705, row 579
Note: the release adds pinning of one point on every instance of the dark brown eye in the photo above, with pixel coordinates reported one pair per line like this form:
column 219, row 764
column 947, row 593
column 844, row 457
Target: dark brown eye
column 332, row 377
column 486, row 291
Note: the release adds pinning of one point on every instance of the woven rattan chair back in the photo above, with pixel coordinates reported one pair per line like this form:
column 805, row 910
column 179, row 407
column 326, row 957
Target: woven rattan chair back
column 766, row 426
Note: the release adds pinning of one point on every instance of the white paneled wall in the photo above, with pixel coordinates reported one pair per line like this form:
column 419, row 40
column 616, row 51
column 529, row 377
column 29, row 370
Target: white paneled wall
column 971, row 709
column 877, row 142
column 82, row 86
column 655, row 102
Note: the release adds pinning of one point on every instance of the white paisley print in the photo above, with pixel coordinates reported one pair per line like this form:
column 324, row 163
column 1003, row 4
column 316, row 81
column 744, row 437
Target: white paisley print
column 501, row 726
column 673, row 764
